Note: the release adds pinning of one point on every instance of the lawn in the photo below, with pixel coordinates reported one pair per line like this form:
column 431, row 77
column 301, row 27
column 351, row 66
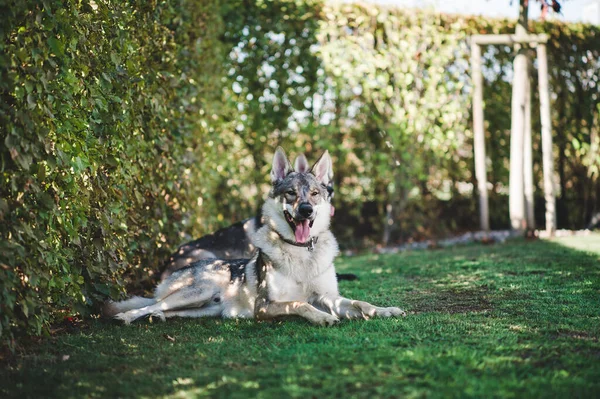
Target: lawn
column 519, row 319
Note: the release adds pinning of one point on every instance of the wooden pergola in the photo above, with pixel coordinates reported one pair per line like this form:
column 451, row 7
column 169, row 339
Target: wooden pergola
column 521, row 163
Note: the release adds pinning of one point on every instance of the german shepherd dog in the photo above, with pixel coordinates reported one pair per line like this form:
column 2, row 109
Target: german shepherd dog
column 292, row 272
column 235, row 241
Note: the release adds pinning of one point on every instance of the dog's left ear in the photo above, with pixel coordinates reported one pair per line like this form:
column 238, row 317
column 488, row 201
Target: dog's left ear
column 323, row 169
column 301, row 164
column 281, row 166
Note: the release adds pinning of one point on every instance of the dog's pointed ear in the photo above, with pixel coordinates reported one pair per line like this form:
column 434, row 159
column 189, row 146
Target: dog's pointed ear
column 301, row 164
column 323, row 169
column 281, row 166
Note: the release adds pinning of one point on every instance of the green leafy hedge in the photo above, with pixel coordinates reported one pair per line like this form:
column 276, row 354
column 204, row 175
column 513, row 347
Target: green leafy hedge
column 103, row 104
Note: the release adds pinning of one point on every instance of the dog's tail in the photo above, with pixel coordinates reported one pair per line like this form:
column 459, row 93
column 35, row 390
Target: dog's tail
column 112, row 308
column 346, row 276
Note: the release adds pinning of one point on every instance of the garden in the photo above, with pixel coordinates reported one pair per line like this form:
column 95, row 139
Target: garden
column 131, row 128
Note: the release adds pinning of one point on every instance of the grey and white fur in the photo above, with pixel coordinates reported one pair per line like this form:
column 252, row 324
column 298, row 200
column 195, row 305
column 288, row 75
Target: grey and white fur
column 292, row 272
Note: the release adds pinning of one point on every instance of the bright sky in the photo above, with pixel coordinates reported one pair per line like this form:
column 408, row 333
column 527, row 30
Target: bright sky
column 572, row 9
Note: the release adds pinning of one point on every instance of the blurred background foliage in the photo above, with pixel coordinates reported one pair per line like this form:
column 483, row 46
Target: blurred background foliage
column 129, row 128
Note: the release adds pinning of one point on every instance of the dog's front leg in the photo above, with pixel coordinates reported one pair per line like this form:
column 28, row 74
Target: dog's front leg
column 266, row 310
column 352, row 309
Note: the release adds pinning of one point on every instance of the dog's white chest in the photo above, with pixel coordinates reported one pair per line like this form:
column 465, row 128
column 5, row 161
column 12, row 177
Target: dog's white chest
column 283, row 288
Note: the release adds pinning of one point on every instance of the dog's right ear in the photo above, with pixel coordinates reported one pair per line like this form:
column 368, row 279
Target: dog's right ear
column 301, row 164
column 281, row 166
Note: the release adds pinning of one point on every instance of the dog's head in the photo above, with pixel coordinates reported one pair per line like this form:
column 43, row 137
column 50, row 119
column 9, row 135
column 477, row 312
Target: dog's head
column 298, row 205
column 301, row 166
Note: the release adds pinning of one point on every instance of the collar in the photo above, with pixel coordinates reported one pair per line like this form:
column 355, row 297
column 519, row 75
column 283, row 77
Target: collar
column 310, row 244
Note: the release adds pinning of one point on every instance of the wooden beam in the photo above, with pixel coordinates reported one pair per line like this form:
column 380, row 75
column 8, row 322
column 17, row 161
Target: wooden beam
column 547, row 156
column 479, row 137
column 508, row 39
column 516, row 201
column 528, row 155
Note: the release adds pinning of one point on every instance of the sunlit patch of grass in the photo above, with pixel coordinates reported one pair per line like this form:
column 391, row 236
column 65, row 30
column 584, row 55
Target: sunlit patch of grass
column 589, row 242
column 519, row 319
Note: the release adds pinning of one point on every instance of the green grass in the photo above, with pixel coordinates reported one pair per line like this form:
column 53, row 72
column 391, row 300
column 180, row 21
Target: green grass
column 520, row 319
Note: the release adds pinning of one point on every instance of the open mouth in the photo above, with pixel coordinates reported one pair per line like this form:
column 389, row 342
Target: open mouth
column 301, row 228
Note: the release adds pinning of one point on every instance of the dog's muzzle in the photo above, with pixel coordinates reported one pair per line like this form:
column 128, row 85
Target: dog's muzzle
column 300, row 225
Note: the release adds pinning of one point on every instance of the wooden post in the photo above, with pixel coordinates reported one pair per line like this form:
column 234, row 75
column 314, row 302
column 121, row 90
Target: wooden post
column 528, row 156
column 479, row 137
column 516, row 200
column 547, row 156
column 516, row 195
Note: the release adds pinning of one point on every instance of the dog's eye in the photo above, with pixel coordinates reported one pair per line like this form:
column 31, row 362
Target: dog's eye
column 314, row 193
column 291, row 193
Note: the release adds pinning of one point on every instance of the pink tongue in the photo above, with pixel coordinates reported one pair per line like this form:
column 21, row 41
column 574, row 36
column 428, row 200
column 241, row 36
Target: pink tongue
column 302, row 231
column 332, row 211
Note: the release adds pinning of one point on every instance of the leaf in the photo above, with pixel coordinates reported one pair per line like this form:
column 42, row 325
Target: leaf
column 115, row 58
column 41, row 172
column 57, row 46
column 31, row 104
column 168, row 338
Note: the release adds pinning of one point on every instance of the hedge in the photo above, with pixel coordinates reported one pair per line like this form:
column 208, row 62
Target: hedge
column 103, row 104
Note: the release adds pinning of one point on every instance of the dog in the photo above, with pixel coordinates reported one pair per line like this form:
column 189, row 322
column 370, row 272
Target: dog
column 291, row 273
column 235, row 241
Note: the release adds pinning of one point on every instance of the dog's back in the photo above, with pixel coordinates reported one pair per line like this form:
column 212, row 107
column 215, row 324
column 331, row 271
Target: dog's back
column 232, row 242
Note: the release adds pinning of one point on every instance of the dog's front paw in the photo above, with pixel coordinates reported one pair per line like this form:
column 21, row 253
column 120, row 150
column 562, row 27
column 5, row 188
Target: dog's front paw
column 324, row 319
column 391, row 312
column 369, row 310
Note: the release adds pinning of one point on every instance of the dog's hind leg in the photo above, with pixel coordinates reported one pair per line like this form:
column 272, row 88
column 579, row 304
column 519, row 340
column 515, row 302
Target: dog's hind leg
column 173, row 284
column 189, row 297
column 112, row 308
column 208, row 311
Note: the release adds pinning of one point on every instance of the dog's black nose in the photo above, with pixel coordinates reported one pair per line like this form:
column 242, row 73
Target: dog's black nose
column 305, row 210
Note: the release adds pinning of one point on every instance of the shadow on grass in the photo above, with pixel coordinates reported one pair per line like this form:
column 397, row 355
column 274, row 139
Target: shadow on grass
column 467, row 300
column 515, row 319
